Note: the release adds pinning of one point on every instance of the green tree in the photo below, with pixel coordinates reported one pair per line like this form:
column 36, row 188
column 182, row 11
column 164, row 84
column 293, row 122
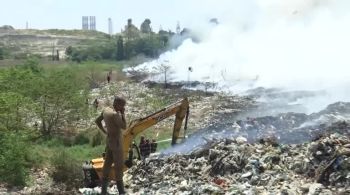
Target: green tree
column 61, row 98
column 146, row 26
column 78, row 56
column 123, row 47
column 120, row 48
column 109, row 50
column 55, row 97
column 129, row 49
column 150, row 46
column 131, row 30
column 69, row 51
column 20, row 79
column 15, row 111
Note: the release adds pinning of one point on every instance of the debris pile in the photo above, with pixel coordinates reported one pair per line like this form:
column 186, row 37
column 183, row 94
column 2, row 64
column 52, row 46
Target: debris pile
column 233, row 166
column 288, row 127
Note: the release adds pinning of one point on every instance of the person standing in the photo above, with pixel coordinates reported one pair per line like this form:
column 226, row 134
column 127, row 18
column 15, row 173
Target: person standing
column 95, row 103
column 115, row 122
column 108, row 78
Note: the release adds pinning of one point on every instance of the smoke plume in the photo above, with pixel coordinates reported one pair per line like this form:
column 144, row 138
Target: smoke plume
column 289, row 44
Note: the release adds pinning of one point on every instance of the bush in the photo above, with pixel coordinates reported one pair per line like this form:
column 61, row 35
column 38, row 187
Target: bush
column 57, row 141
column 36, row 157
column 97, row 139
column 81, row 139
column 13, row 150
column 66, row 169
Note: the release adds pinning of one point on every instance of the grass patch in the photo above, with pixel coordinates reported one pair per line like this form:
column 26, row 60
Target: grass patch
column 81, row 139
column 42, row 153
column 55, row 154
column 85, row 152
column 66, row 169
column 64, row 162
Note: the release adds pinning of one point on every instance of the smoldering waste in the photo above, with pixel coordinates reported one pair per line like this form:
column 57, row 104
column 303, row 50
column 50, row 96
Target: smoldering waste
column 233, row 166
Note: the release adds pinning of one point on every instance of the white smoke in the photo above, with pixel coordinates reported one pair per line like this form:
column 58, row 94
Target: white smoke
column 289, row 44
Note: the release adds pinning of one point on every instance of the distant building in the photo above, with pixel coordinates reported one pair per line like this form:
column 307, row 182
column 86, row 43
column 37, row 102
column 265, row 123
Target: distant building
column 85, row 23
column 89, row 23
column 92, row 23
column 110, row 26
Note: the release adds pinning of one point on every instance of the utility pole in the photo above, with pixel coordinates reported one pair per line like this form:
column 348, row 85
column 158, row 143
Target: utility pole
column 58, row 55
column 178, row 28
column 190, row 69
column 53, row 52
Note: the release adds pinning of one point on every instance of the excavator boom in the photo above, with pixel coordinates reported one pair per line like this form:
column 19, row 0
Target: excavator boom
column 179, row 109
column 93, row 169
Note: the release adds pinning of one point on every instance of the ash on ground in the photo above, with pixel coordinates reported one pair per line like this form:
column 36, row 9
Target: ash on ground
column 288, row 153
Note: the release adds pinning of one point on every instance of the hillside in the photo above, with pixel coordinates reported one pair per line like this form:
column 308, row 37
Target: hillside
column 42, row 42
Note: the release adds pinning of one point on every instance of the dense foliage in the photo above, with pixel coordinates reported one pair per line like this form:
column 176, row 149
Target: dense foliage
column 13, row 166
column 35, row 103
column 120, row 48
column 130, row 43
column 44, row 98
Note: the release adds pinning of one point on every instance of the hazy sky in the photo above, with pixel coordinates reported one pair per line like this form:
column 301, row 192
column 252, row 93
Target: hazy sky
column 66, row 14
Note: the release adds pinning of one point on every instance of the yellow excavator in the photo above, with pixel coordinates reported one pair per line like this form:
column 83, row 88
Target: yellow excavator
column 93, row 169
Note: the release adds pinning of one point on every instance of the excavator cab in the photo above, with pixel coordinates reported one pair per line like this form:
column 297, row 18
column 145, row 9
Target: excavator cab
column 93, row 169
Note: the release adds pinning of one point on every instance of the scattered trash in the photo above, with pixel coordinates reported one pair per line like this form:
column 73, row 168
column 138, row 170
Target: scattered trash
column 228, row 166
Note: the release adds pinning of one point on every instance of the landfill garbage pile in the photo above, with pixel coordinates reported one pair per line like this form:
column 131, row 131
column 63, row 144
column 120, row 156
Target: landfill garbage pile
column 284, row 128
column 291, row 153
column 234, row 166
column 287, row 127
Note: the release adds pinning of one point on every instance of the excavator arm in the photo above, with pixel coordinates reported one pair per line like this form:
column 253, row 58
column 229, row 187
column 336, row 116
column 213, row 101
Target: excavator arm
column 180, row 109
column 93, row 169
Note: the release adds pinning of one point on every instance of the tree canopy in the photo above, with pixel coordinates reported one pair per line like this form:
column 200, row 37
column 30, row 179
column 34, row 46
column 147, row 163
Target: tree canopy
column 33, row 95
column 120, row 48
column 146, row 26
